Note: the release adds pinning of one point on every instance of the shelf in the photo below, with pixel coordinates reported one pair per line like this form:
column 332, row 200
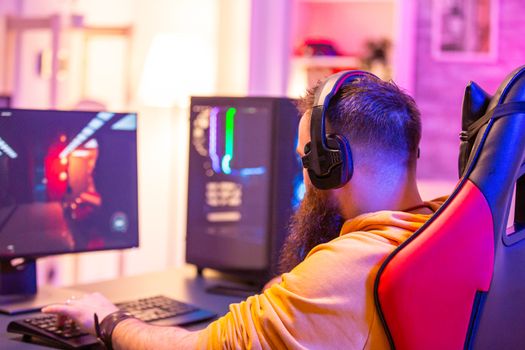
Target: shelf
column 347, row 1
column 326, row 61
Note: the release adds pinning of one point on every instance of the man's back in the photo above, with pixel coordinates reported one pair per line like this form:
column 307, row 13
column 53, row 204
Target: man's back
column 326, row 302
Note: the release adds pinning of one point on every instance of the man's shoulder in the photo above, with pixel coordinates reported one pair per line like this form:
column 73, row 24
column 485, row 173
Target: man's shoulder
column 355, row 245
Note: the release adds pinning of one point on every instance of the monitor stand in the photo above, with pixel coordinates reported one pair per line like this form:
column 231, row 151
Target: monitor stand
column 18, row 288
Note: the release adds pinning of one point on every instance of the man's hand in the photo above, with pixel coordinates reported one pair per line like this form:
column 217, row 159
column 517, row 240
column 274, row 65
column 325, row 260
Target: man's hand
column 128, row 334
column 82, row 310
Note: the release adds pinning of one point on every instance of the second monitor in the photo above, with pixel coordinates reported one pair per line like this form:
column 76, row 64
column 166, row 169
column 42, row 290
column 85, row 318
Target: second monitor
column 68, row 183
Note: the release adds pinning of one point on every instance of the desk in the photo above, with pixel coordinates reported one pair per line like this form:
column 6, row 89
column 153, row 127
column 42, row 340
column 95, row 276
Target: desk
column 181, row 284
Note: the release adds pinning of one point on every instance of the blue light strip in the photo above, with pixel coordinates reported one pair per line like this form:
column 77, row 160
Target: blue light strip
column 212, row 149
column 93, row 125
column 252, row 171
column 226, row 164
column 7, row 149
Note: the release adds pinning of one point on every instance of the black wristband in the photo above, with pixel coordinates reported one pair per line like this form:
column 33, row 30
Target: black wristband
column 105, row 328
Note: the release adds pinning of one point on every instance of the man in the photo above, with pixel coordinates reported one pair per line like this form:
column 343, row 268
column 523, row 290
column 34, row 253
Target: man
column 338, row 240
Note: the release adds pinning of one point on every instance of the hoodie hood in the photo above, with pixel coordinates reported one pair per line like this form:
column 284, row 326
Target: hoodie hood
column 394, row 226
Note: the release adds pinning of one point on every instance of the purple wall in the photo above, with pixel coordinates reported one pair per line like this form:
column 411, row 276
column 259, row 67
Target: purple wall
column 439, row 86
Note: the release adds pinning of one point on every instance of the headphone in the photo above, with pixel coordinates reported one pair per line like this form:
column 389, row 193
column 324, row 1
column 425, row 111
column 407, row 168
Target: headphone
column 328, row 158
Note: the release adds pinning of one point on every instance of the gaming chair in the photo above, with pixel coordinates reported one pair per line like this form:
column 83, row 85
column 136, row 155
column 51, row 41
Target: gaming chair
column 459, row 281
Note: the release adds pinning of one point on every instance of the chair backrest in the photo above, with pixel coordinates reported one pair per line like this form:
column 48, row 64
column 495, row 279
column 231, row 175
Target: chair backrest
column 458, row 282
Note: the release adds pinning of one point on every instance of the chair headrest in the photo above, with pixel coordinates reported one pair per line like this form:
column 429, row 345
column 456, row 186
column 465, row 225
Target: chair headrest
column 477, row 103
column 493, row 140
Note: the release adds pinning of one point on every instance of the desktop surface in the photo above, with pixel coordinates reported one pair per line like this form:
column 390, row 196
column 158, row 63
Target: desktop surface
column 179, row 283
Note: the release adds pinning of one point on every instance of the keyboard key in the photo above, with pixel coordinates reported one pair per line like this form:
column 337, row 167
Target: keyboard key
column 155, row 308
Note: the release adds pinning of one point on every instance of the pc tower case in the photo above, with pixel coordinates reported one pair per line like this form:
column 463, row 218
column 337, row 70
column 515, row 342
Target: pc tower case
column 243, row 184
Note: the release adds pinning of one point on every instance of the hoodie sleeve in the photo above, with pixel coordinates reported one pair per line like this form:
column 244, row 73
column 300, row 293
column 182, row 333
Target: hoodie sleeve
column 325, row 302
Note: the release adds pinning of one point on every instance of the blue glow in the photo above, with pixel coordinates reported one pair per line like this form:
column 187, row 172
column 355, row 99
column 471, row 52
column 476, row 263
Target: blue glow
column 298, row 193
column 86, row 132
column 93, row 125
column 105, row 116
column 7, row 149
column 215, row 162
column 299, row 189
column 226, row 164
column 127, row 123
column 252, row 171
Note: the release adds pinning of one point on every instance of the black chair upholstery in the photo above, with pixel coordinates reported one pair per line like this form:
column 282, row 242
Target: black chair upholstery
column 501, row 315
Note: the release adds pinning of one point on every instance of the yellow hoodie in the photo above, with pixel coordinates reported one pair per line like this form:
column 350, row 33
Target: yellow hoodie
column 325, row 302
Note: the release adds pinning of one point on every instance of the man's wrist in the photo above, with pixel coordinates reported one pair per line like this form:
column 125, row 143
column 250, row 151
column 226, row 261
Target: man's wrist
column 106, row 328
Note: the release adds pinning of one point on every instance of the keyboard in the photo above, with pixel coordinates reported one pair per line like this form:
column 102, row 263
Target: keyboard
column 158, row 310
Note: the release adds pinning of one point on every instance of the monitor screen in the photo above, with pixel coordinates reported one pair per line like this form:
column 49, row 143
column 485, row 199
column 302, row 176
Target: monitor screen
column 68, row 182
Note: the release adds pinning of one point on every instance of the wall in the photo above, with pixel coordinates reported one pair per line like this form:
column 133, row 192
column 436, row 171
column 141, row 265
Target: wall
column 349, row 24
column 439, row 86
column 7, row 8
column 269, row 60
column 233, row 47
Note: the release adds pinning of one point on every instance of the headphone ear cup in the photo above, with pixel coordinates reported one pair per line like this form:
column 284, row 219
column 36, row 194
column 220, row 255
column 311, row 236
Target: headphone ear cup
column 345, row 170
column 340, row 156
column 307, row 148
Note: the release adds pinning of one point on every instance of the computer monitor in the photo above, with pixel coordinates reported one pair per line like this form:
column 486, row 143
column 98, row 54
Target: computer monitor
column 244, row 181
column 68, row 184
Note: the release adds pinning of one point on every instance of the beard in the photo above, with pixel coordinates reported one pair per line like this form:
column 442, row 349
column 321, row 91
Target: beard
column 316, row 221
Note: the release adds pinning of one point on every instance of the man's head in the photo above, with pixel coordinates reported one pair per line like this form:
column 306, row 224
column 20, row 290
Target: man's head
column 382, row 125
column 381, row 122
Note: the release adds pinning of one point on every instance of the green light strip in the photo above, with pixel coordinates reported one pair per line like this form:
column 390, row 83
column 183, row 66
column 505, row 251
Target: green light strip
column 230, row 122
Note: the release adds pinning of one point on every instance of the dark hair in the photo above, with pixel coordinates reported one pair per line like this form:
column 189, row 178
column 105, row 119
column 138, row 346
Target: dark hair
column 376, row 116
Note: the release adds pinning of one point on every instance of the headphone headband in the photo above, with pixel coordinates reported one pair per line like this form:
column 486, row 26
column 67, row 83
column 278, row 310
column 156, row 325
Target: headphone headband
column 333, row 83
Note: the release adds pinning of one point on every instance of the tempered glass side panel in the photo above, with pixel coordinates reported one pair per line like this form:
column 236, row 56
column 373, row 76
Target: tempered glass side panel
column 229, row 183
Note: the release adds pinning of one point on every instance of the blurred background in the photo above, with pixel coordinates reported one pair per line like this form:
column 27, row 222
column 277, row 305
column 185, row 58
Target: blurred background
column 150, row 56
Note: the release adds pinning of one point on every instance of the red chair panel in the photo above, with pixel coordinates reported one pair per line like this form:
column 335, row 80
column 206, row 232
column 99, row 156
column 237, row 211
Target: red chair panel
column 427, row 289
